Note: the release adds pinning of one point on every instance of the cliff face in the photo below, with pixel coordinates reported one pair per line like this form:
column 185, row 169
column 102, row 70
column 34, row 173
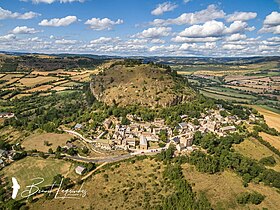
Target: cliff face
column 143, row 85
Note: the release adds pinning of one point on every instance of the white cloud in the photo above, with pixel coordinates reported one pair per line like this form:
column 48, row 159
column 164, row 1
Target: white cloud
column 136, row 41
column 56, row 22
column 214, row 28
column 233, row 47
column 52, row 1
column 187, row 46
column 241, row 16
column 271, row 24
column 7, row 37
column 157, row 41
column 6, row 14
column 272, row 19
column 155, row 32
column 164, row 7
column 181, row 39
column 237, row 27
column 274, row 39
column 102, row 24
column 186, row 1
column 236, row 37
column 24, row 30
column 104, row 40
column 164, row 48
column 209, row 29
column 211, row 13
column 66, row 41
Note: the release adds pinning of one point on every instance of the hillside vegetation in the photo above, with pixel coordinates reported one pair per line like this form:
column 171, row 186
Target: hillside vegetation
column 142, row 84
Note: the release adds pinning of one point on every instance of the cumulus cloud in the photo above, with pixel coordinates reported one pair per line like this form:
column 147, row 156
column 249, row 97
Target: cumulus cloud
column 102, row 24
column 274, row 39
column 164, row 48
column 56, row 22
column 233, row 47
column 181, row 39
column 157, row 41
column 214, row 28
column 271, row 24
column 7, row 37
column 272, row 19
column 24, row 30
column 66, row 41
column 164, row 7
column 155, row 32
column 210, row 13
column 236, row 37
column 6, row 14
column 241, row 16
column 52, row 1
column 104, row 40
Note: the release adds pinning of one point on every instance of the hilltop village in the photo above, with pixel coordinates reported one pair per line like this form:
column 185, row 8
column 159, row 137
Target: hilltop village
column 139, row 136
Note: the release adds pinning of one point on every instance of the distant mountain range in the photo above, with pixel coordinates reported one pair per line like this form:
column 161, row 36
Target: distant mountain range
column 171, row 60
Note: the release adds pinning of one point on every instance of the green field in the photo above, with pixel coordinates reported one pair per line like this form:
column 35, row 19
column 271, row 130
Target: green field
column 229, row 92
column 32, row 167
column 223, row 97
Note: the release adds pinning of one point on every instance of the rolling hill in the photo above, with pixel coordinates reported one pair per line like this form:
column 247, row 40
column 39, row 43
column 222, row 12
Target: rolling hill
column 143, row 84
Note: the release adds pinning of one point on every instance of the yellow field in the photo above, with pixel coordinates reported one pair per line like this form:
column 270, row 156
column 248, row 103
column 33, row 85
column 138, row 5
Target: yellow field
column 85, row 76
column 58, row 88
column 11, row 76
column 36, row 141
column 30, row 82
column 273, row 140
column 223, row 188
column 272, row 119
column 58, row 72
column 252, row 148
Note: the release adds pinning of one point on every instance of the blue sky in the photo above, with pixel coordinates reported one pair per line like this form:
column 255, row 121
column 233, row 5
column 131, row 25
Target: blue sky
column 141, row 27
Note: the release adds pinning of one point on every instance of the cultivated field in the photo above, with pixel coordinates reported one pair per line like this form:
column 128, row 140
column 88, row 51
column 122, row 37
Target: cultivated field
column 223, row 188
column 37, row 141
column 273, row 140
column 40, row 88
column 271, row 118
column 30, row 82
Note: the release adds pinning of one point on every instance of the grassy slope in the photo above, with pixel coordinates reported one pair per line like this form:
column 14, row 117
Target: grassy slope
column 222, row 189
column 129, row 186
column 252, row 148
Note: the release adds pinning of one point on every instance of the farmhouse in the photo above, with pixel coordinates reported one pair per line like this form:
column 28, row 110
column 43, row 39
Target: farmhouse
column 78, row 126
column 80, row 170
column 183, row 125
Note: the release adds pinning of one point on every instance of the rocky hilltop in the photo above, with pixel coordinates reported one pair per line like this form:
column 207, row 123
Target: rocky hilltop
column 142, row 84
